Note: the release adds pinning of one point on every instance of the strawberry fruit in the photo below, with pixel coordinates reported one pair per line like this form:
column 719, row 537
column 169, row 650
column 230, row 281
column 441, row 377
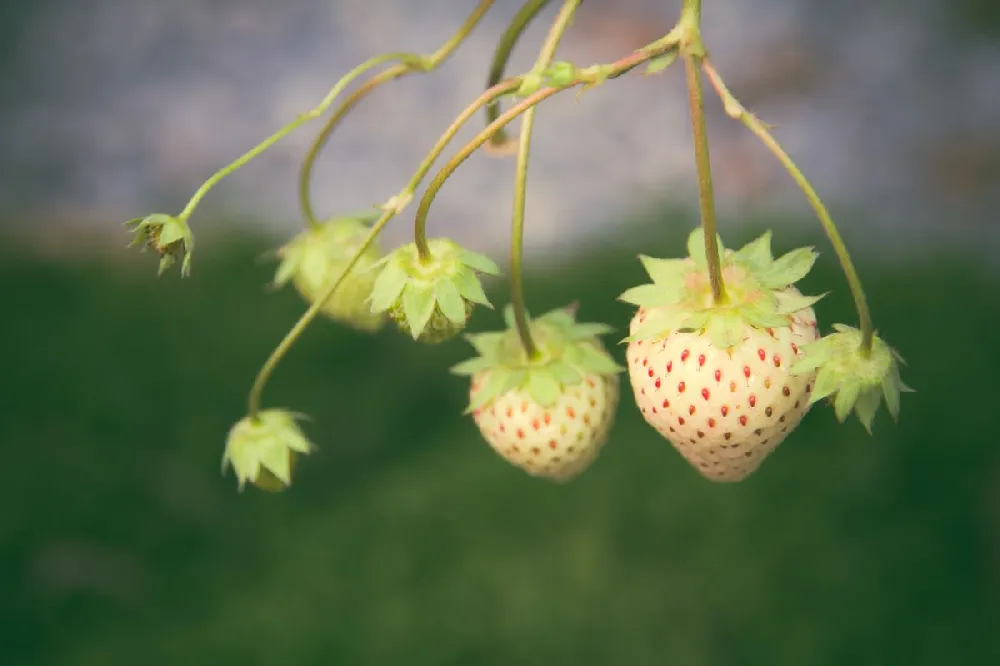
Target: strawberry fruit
column 715, row 379
column 552, row 414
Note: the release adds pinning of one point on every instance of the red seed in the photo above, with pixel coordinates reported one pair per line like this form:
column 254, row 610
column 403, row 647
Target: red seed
column 680, row 419
column 570, row 412
column 777, row 361
column 705, row 393
column 645, row 361
column 535, row 424
column 711, row 423
column 520, row 434
column 684, row 355
column 786, row 391
column 691, row 410
column 553, row 444
column 650, row 372
column 718, row 375
column 657, row 384
column 666, row 403
column 670, row 366
column 795, row 348
column 701, row 360
column 680, row 387
column 761, row 354
column 753, row 400
column 746, row 371
column 743, row 420
column 725, row 410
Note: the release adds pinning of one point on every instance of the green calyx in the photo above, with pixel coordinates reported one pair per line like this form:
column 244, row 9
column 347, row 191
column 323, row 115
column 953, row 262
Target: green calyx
column 168, row 236
column 760, row 291
column 431, row 299
column 567, row 353
column 317, row 257
column 852, row 380
column 262, row 450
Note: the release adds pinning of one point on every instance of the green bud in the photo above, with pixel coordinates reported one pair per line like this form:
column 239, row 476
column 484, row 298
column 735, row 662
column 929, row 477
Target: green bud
column 264, row 450
column 170, row 237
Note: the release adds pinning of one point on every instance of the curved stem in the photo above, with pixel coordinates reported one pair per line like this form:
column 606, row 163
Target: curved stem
column 706, row 195
column 400, row 69
column 521, row 184
column 253, row 402
column 420, row 223
column 303, row 118
column 736, row 110
column 529, row 10
column 305, row 171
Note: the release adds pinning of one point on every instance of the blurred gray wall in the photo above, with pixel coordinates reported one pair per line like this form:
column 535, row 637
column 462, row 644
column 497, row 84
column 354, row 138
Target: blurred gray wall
column 114, row 108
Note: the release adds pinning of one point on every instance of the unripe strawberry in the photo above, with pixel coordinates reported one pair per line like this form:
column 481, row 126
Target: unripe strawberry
column 263, row 450
column 431, row 298
column 317, row 257
column 549, row 415
column 168, row 236
column 715, row 379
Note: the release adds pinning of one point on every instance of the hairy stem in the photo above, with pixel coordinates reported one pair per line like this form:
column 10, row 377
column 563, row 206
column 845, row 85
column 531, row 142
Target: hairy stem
column 427, row 64
column 736, row 110
column 545, row 57
column 529, row 10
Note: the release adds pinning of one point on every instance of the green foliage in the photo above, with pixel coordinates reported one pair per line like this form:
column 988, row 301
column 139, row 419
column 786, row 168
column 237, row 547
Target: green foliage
column 404, row 542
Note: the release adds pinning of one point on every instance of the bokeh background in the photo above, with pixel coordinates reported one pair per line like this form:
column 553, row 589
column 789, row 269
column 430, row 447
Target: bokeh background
column 405, row 540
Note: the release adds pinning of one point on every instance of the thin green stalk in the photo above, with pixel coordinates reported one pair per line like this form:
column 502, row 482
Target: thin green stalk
column 306, row 170
column 591, row 76
column 254, row 400
column 545, row 57
column 303, row 118
column 501, row 56
column 706, row 194
column 427, row 64
column 736, row 110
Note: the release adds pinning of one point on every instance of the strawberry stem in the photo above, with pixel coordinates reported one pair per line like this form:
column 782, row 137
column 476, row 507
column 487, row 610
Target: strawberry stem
column 501, row 56
column 694, row 52
column 545, row 57
column 416, row 64
column 736, row 110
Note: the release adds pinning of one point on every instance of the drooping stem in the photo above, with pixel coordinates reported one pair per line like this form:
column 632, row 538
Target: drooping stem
column 303, row 118
column 427, row 64
column 253, row 402
column 590, row 76
column 501, row 56
column 545, row 57
column 736, row 110
column 693, row 53
column 420, row 224
column 306, row 170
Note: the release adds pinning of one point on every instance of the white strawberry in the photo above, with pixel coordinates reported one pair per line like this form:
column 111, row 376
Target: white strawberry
column 551, row 415
column 715, row 380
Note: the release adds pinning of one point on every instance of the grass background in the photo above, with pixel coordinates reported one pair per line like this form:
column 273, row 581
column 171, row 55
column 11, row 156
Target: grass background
column 407, row 541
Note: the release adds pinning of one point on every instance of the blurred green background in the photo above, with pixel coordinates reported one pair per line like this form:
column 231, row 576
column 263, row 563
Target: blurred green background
column 405, row 540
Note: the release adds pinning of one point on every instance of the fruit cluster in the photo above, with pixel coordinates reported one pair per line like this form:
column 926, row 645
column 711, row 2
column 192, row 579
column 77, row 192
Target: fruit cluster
column 724, row 354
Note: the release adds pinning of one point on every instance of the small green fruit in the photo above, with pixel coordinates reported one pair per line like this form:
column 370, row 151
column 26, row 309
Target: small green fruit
column 264, row 450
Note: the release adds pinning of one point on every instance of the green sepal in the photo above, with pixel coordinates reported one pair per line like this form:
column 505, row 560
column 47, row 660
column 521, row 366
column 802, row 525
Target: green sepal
column 667, row 272
column 658, row 324
column 725, row 331
column 755, row 255
column 788, row 269
column 567, row 352
column 418, row 306
column 270, row 441
column 790, row 303
column 388, row 287
column 169, row 236
column 696, row 248
column 653, row 295
column 479, row 262
column 450, row 301
column 471, row 288
column 855, row 381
